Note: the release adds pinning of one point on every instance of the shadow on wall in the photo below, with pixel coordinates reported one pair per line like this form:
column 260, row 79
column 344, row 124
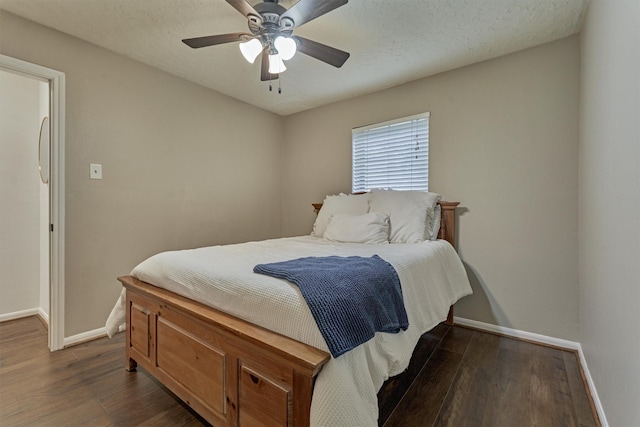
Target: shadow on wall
column 481, row 306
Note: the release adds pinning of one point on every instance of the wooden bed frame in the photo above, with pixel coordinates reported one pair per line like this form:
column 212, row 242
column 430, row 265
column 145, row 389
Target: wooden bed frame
column 228, row 370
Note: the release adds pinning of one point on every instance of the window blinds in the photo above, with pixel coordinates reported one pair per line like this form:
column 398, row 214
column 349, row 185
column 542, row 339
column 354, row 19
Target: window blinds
column 392, row 154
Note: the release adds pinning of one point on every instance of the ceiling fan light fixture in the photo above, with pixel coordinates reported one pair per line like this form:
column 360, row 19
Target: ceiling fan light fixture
column 285, row 46
column 271, row 27
column 276, row 66
column 251, row 49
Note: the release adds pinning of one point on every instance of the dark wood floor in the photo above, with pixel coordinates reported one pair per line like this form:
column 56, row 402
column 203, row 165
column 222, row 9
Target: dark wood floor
column 457, row 377
column 462, row 377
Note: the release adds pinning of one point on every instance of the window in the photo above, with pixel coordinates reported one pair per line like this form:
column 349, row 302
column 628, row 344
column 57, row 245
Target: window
column 393, row 154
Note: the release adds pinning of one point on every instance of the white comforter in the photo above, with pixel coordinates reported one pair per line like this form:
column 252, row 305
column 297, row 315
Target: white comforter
column 345, row 394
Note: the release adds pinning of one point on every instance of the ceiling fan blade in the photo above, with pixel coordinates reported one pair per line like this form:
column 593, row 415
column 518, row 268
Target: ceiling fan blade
column 265, row 75
column 306, row 10
column 214, row 40
column 320, row 51
column 244, row 7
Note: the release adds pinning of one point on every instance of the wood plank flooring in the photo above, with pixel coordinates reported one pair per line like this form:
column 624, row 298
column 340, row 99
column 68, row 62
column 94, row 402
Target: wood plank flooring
column 457, row 377
column 473, row 378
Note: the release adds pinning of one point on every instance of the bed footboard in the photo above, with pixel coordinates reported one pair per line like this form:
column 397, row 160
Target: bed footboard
column 229, row 371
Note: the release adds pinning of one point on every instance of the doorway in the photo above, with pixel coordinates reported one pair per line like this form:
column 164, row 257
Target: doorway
column 24, row 251
column 49, row 101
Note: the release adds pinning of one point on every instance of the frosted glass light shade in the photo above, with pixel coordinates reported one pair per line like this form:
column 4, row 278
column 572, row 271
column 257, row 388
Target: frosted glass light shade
column 285, row 46
column 276, row 66
column 251, row 49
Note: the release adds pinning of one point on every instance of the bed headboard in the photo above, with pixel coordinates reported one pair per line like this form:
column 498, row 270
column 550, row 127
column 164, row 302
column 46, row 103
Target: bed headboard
column 447, row 220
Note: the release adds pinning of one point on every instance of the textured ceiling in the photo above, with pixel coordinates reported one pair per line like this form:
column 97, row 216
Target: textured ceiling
column 391, row 42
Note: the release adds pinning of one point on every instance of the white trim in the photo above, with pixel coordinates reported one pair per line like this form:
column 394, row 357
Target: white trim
column 43, row 315
column 56, row 81
column 547, row 340
column 26, row 313
column 19, row 314
column 364, row 128
column 523, row 335
column 592, row 389
column 57, row 184
column 85, row 336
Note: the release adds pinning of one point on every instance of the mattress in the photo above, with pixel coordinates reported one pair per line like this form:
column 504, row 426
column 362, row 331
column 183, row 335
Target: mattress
column 431, row 275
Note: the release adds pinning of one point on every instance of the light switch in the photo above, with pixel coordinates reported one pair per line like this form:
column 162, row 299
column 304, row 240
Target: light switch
column 95, row 171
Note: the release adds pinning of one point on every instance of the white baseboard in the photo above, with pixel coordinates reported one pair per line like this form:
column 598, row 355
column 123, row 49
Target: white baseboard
column 43, row 315
column 26, row 313
column 543, row 339
column 69, row 341
column 592, row 389
column 85, row 336
column 523, row 335
column 19, row 314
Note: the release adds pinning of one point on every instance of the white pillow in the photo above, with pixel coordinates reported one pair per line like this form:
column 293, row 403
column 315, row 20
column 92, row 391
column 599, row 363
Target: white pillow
column 435, row 225
column 411, row 213
column 353, row 204
column 370, row 228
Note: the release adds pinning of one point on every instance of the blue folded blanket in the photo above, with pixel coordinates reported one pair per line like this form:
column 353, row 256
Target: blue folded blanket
column 351, row 298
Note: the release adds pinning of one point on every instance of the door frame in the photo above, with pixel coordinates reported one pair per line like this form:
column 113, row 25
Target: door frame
column 56, row 81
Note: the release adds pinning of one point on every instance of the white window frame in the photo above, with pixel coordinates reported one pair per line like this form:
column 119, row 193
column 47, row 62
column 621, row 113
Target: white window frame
column 391, row 145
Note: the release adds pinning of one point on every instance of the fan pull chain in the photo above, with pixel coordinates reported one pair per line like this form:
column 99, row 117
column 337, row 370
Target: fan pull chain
column 271, row 85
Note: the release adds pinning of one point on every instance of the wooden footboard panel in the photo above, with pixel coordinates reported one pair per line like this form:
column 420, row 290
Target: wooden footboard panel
column 229, row 371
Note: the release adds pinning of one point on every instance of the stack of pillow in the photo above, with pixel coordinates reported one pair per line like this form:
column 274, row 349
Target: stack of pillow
column 381, row 216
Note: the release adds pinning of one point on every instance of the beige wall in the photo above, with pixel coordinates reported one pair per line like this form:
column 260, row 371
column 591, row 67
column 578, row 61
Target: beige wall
column 610, row 206
column 183, row 166
column 504, row 142
column 19, row 194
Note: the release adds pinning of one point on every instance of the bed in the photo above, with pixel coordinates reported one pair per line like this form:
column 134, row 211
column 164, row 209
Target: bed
column 259, row 359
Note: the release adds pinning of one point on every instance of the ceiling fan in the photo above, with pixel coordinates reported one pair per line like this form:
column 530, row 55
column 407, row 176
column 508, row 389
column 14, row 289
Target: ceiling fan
column 271, row 35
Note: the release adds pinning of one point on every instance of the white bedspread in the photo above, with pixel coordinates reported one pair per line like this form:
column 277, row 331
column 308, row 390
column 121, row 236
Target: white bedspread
column 345, row 394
